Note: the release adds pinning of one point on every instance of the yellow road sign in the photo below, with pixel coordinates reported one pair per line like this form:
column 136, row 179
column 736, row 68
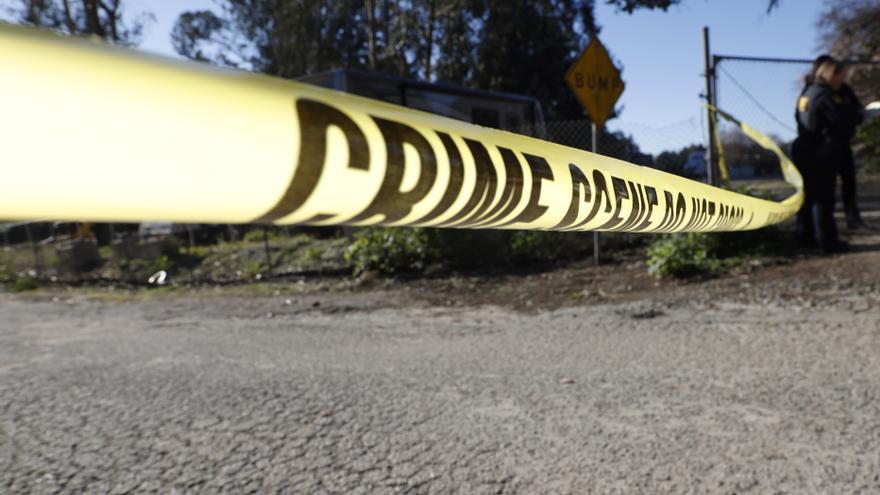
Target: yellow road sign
column 595, row 81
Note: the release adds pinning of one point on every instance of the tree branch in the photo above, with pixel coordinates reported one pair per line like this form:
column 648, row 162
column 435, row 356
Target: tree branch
column 68, row 18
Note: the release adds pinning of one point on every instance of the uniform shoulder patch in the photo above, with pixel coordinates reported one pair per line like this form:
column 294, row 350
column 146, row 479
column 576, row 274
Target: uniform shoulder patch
column 802, row 103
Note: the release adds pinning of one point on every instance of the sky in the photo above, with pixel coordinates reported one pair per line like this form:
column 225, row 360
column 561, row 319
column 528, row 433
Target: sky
column 661, row 54
column 663, row 64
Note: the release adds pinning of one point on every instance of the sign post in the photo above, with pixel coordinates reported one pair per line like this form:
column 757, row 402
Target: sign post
column 594, row 132
column 596, row 83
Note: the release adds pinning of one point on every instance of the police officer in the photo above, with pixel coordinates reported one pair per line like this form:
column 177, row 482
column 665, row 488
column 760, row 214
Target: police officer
column 854, row 115
column 803, row 150
column 822, row 145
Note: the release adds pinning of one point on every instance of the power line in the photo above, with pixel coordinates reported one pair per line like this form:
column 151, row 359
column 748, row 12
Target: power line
column 755, row 100
column 720, row 58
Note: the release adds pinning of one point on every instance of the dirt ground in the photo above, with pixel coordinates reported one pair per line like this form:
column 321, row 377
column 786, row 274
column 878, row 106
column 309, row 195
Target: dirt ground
column 575, row 379
column 806, row 276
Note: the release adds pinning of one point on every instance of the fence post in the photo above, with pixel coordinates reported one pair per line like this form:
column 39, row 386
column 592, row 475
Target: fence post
column 709, row 68
column 190, row 237
column 30, row 236
column 268, row 255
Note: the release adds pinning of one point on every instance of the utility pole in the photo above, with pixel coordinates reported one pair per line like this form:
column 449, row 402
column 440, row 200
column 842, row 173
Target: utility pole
column 711, row 155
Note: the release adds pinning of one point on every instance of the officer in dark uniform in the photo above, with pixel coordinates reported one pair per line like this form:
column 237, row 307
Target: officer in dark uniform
column 854, row 115
column 822, row 144
column 803, row 151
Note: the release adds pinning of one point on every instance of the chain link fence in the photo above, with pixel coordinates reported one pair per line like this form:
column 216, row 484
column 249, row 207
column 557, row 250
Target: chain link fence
column 763, row 93
column 676, row 148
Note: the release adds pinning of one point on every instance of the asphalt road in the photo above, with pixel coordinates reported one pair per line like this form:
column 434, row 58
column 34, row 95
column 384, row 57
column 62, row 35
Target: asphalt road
column 685, row 395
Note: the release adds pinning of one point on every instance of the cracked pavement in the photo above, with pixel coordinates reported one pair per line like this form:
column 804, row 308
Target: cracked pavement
column 356, row 395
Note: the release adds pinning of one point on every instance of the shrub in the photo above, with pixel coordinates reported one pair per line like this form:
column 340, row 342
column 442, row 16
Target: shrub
column 697, row 253
column 140, row 269
column 393, row 250
column 256, row 235
column 312, row 254
column 389, row 250
column 22, row 284
column 868, row 145
column 683, row 255
column 161, row 263
column 251, row 268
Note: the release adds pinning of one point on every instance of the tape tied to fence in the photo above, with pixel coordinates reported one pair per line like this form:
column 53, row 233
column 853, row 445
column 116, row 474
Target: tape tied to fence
column 93, row 132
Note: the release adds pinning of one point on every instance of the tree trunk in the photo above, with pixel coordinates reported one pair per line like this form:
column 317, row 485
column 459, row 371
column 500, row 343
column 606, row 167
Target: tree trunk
column 400, row 43
column 68, row 18
column 93, row 19
column 429, row 49
column 113, row 16
column 371, row 27
column 32, row 13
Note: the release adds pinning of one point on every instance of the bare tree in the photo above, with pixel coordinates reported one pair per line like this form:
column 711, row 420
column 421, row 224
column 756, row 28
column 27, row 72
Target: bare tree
column 851, row 30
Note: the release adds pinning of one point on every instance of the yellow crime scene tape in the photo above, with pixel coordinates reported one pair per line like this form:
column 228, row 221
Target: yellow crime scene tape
column 100, row 133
